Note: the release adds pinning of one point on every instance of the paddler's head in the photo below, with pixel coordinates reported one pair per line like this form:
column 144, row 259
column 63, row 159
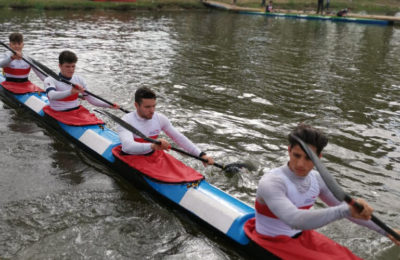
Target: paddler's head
column 299, row 162
column 145, row 102
column 66, row 62
column 16, row 41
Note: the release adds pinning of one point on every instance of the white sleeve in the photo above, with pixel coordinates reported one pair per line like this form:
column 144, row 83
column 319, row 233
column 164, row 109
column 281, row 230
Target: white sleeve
column 41, row 76
column 5, row 59
column 327, row 197
column 272, row 190
column 129, row 145
column 51, row 90
column 178, row 137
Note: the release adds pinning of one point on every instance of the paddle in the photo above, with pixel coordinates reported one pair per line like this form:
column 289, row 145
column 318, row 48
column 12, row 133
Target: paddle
column 232, row 168
column 46, row 71
column 337, row 190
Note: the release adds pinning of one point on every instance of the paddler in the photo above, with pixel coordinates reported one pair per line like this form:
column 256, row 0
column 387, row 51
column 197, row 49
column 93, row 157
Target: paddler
column 15, row 69
column 152, row 123
column 283, row 222
column 64, row 97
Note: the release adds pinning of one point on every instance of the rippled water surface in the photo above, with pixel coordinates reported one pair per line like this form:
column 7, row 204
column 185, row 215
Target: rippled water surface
column 235, row 85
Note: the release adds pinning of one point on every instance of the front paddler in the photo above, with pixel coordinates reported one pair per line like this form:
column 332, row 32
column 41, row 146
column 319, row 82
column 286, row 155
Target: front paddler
column 64, row 98
column 150, row 158
column 284, row 222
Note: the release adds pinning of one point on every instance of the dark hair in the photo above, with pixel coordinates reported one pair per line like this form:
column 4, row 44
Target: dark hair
column 144, row 92
column 310, row 136
column 67, row 57
column 16, row 37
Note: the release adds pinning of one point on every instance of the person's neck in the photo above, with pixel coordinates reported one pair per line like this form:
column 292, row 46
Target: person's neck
column 62, row 76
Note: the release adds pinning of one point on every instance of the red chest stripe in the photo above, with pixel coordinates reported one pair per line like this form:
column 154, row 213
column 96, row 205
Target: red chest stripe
column 141, row 140
column 70, row 98
column 17, row 72
column 264, row 210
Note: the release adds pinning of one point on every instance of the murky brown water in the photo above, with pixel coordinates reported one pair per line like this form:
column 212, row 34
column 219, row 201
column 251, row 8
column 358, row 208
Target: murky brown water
column 235, row 85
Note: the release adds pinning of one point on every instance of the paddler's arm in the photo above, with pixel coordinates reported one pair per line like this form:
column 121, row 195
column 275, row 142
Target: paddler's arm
column 129, row 145
column 53, row 93
column 5, row 59
column 327, row 197
column 182, row 140
column 41, row 76
column 274, row 195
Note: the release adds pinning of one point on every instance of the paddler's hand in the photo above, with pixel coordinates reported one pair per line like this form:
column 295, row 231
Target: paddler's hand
column 17, row 55
column 163, row 146
column 397, row 242
column 209, row 159
column 115, row 106
column 76, row 89
column 365, row 213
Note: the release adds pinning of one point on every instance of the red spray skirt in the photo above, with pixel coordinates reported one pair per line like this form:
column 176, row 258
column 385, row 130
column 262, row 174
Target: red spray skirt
column 77, row 117
column 160, row 166
column 310, row 245
column 21, row 87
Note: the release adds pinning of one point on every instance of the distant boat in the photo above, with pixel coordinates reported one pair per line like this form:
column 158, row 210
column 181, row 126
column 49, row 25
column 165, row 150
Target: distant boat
column 354, row 18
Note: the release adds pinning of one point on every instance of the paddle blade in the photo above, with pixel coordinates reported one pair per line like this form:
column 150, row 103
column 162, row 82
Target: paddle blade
column 333, row 186
column 236, row 167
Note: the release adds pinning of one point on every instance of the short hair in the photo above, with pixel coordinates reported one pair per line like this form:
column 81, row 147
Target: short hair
column 310, row 136
column 144, row 92
column 16, row 38
column 67, row 57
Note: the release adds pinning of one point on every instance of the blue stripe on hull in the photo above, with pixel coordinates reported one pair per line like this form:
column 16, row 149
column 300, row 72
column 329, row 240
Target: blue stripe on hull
column 321, row 17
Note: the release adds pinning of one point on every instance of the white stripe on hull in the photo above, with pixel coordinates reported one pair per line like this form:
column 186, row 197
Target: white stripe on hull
column 35, row 104
column 210, row 208
column 95, row 141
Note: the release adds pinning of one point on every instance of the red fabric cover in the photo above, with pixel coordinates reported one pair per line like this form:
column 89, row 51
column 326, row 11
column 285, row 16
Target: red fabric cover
column 21, row 87
column 17, row 72
column 70, row 97
column 160, row 166
column 77, row 117
column 310, row 245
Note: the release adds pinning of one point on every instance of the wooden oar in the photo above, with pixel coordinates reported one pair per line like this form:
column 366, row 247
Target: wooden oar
column 231, row 168
column 336, row 190
column 48, row 72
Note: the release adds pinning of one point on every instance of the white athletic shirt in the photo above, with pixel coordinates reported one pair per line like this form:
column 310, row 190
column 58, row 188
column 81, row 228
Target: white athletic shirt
column 151, row 128
column 284, row 193
column 57, row 90
column 20, row 67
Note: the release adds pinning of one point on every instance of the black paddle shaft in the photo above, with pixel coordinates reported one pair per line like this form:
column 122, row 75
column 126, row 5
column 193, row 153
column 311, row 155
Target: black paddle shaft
column 132, row 129
column 337, row 190
column 46, row 71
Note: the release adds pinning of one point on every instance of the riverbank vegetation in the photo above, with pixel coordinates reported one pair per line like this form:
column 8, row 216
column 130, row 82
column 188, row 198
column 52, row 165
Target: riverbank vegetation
column 387, row 7
column 89, row 4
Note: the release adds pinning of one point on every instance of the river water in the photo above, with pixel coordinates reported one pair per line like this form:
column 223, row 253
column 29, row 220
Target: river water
column 235, row 85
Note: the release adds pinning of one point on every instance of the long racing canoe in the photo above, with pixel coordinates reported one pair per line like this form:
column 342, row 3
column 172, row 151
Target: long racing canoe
column 205, row 202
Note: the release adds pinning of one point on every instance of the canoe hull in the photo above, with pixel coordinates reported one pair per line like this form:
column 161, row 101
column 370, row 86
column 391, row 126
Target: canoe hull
column 207, row 204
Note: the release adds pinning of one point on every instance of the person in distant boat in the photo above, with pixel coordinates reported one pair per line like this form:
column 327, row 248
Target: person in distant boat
column 342, row 12
column 268, row 8
column 284, row 222
column 14, row 67
column 64, row 97
column 320, row 8
column 328, row 2
column 152, row 123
